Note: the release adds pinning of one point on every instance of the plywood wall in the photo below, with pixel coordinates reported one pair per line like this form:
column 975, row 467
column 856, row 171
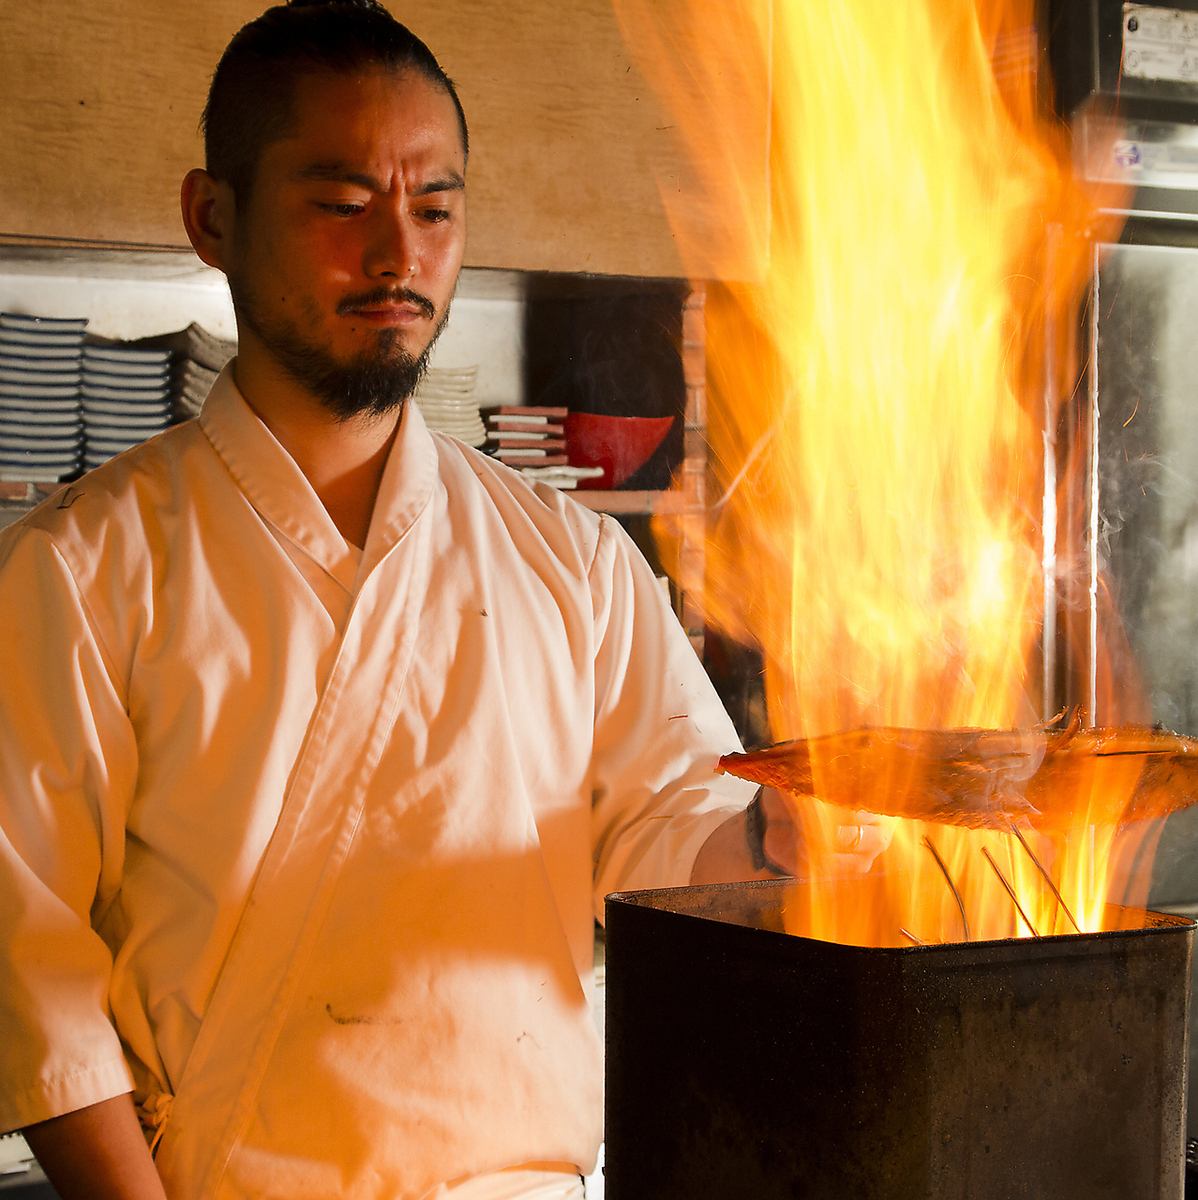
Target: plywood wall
column 100, row 100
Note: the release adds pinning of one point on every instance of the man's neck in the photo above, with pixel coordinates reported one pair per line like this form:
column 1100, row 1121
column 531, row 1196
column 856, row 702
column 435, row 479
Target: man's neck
column 342, row 460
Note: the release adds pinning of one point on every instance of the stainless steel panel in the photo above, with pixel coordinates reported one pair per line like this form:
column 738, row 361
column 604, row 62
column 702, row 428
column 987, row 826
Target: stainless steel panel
column 1147, row 471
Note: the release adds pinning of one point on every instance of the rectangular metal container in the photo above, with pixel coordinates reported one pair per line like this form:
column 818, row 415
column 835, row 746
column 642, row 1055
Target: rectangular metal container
column 747, row 1064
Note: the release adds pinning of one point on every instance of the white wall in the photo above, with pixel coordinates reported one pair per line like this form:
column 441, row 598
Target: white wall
column 122, row 296
column 489, row 333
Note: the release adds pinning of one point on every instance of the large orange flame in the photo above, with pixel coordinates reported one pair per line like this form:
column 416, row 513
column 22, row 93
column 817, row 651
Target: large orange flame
column 880, row 401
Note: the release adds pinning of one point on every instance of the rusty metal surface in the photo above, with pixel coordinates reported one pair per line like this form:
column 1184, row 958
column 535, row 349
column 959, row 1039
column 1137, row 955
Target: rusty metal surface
column 744, row 1063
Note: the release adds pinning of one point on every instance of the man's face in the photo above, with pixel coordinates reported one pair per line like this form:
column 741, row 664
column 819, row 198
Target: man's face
column 348, row 249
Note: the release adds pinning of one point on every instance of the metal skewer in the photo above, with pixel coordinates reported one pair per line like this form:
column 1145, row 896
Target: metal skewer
column 927, row 841
column 1010, row 891
column 1047, row 877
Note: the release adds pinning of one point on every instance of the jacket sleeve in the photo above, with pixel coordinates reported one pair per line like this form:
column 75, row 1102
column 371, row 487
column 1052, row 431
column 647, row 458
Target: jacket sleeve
column 659, row 730
column 67, row 770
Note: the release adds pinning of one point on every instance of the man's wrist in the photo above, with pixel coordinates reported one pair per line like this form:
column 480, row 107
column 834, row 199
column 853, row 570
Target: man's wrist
column 726, row 856
column 755, row 826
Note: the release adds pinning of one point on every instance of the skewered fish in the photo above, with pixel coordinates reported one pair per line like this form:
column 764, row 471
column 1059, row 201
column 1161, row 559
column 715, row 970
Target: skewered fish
column 986, row 778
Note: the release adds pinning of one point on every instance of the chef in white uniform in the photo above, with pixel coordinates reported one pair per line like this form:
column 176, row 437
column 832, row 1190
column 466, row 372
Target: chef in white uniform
column 322, row 736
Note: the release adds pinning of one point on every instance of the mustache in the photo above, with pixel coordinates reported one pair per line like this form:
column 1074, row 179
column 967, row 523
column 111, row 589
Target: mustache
column 386, row 295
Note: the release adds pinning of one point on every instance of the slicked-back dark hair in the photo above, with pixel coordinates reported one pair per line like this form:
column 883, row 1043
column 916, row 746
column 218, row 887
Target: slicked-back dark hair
column 252, row 95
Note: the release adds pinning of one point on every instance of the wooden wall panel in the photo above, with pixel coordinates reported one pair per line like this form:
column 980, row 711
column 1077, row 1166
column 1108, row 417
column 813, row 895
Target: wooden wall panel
column 100, row 100
column 99, row 105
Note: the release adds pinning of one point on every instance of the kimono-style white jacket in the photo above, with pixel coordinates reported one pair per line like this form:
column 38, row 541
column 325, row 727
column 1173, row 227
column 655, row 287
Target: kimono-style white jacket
column 302, row 843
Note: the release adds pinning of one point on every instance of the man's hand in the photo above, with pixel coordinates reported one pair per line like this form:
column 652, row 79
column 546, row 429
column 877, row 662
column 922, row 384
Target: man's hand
column 851, row 841
column 846, row 842
column 97, row 1153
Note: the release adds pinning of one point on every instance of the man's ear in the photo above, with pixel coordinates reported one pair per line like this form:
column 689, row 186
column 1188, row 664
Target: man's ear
column 209, row 210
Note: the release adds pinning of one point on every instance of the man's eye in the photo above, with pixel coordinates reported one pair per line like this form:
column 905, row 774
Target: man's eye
column 342, row 210
column 435, row 215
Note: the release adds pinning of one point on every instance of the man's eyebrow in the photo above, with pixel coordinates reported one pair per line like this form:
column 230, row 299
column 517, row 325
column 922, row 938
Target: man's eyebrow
column 340, row 173
column 451, row 183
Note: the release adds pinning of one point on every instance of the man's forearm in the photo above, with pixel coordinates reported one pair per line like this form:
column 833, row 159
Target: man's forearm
column 725, row 857
column 772, row 843
column 97, row 1153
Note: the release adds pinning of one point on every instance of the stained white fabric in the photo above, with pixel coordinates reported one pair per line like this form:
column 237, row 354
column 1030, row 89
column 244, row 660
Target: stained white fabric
column 515, row 1184
column 301, row 843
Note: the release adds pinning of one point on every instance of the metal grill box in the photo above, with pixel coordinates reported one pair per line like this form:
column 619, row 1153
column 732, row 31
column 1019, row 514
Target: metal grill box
column 747, row 1064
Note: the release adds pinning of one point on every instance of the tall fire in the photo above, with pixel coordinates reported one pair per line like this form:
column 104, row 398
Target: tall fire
column 879, row 405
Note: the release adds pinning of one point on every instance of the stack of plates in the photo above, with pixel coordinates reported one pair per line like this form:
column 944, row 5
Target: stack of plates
column 197, row 358
column 446, row 400
column 193, row 382
column 41, row 433
column 126, row 397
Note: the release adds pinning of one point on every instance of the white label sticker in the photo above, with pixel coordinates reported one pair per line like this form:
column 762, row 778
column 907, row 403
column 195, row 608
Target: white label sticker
column 1153, row 154
column 1160, row 43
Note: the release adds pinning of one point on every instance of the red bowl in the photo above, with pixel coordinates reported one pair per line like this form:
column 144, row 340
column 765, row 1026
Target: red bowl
column 620, row 445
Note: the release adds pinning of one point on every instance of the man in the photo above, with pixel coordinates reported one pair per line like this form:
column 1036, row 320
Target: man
column 324, row 736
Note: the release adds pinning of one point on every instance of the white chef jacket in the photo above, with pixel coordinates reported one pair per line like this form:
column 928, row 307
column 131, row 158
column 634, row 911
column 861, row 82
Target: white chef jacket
column 302, row 843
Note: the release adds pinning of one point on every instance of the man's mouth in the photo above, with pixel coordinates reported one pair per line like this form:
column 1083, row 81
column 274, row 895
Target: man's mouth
column 389, row 308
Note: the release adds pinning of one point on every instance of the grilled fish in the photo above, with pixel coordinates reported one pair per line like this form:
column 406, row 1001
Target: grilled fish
column 1052, row 779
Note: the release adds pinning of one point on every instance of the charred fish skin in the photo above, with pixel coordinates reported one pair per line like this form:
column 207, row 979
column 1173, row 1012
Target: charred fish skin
column 980, row 778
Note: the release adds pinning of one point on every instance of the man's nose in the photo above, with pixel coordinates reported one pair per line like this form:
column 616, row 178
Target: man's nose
column 391, row 252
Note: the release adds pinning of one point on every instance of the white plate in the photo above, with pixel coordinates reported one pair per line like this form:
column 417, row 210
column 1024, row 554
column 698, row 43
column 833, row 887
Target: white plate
column 15, row 458
column 128, row 420
column 131, row 395
column 18, row 405
column 468, row 409
column 12, row 358
column 133, row 358
column 40, row 417
column 459, row 431
column 62, row 448
column 39, row 378
column 57, row 325
column 113, row 445
column 22, row 391
column 452, row 372
column 58, row 435
column 29, row 474
column 451, row 419
column 572, row 472
column 462, row 411
column 126, row 408
column 117, row 433
column 32, row 345
column 41, row 439
column 197, row 376
column 126, row 380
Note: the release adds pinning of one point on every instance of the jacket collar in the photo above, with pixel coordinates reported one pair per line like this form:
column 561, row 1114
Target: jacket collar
column 279, row 491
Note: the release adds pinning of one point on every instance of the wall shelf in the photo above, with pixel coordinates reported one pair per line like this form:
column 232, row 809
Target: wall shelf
column 634, row 503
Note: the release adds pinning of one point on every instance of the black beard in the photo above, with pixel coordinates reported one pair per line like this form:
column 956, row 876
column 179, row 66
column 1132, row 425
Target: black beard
column 373, row 384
